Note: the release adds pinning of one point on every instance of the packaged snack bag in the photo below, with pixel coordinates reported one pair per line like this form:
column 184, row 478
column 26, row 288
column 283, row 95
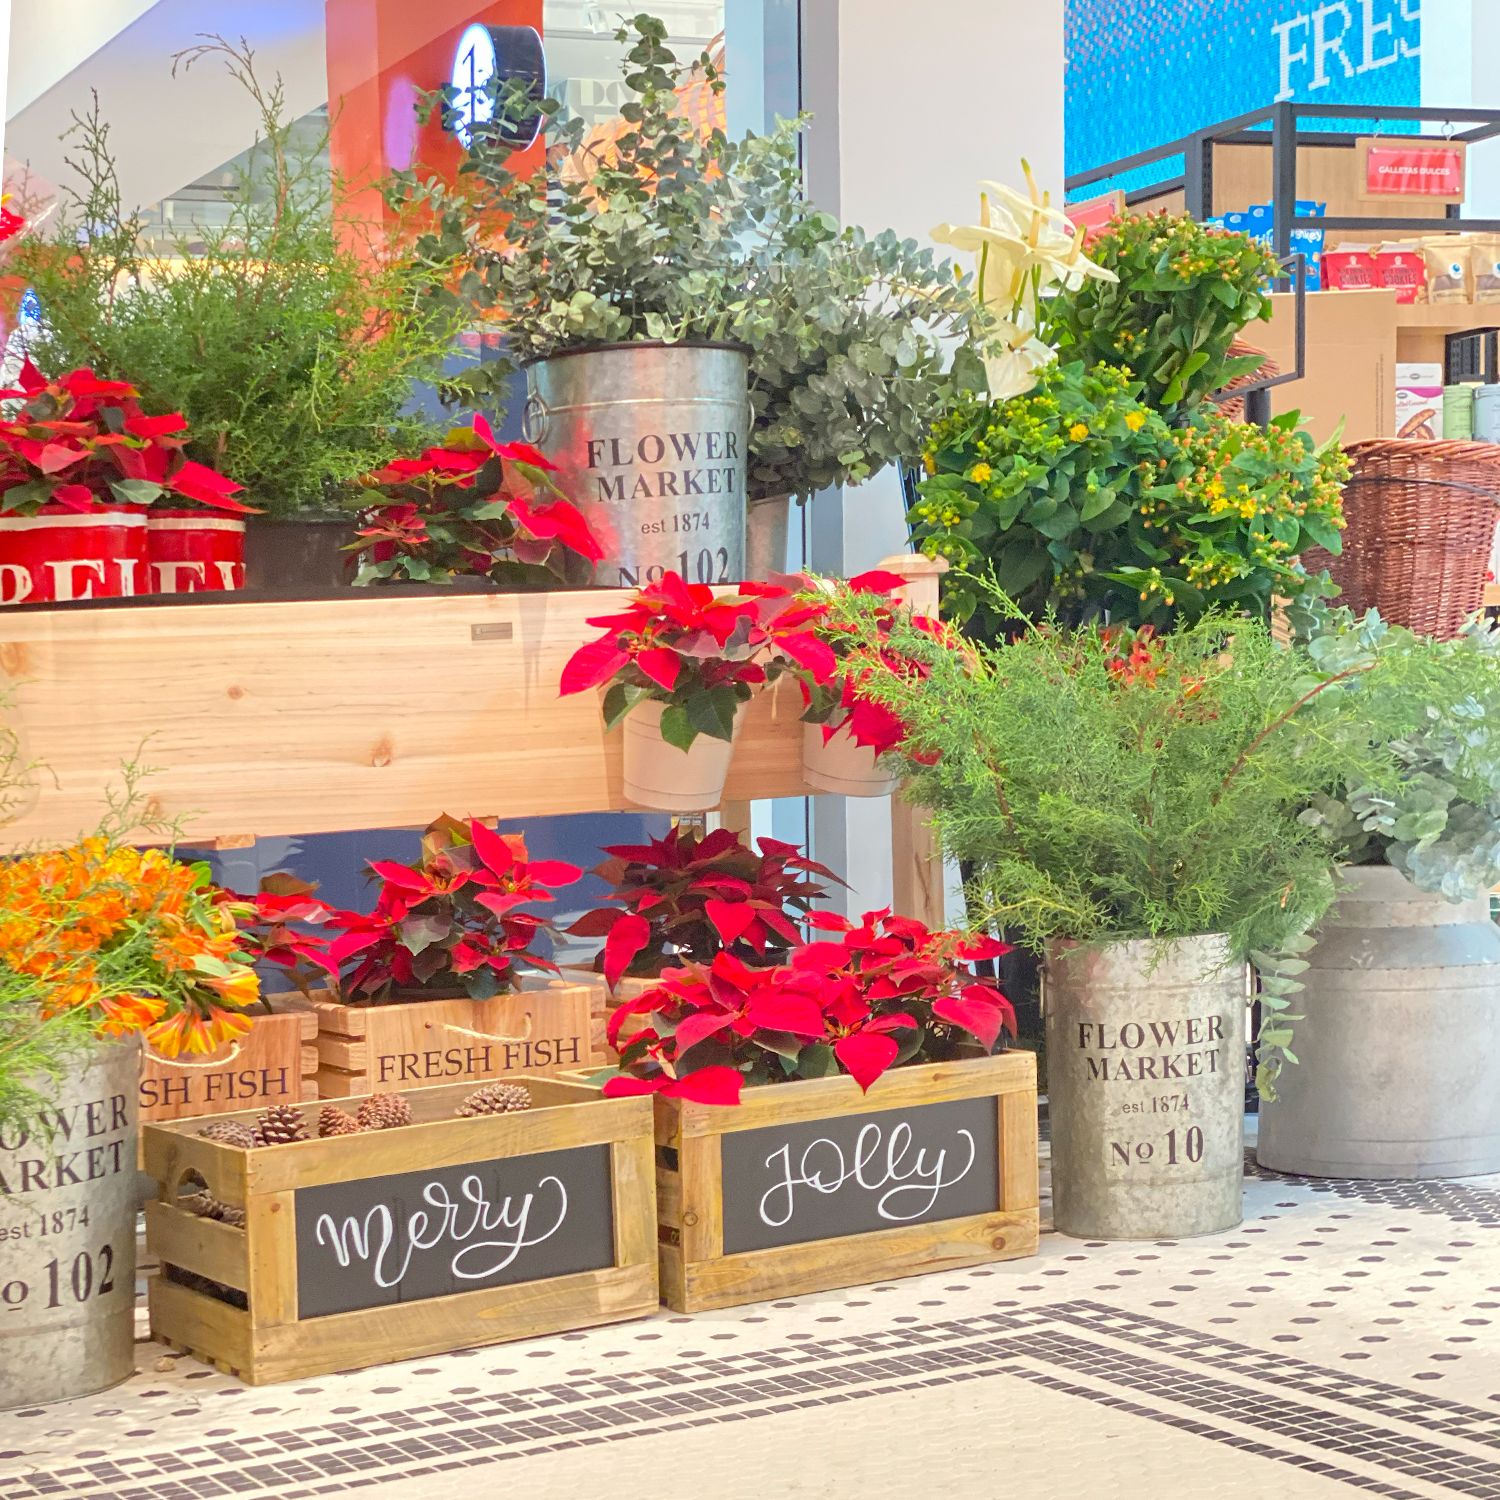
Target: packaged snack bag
column 1402, row 269
column 1484, row 266
column 1448, row 258
column 1349, row 268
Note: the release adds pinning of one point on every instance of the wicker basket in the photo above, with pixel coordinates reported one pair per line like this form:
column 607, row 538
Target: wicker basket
column 1421, row 522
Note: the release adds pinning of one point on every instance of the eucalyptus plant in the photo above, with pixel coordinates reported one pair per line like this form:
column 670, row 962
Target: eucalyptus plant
column 671, row 233
column 1434, row 706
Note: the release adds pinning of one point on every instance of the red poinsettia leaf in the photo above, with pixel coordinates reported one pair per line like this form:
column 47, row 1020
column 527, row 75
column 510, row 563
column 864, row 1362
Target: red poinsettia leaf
column 897, row 1022
column 827, row 921
column 497, row 853
column 623, row 1086
column 698, row 1027
column 52, row 458
column 660, row 665
column 596, row 923
column 149, row 427
column 626, row 938
column 982, row 947
column 778, row 923
column 730, row 918
column 524, row 453
column 865, row 1056
column 553, row 871
column 975, row 1011
column 402, row 876
column 194, row 481
column 877, row 581
column 77, row 497
column 502, row 903
column 590, row 665
column 647, row 899
column 773, row 1010
column 715, row 1085
column 810, row 652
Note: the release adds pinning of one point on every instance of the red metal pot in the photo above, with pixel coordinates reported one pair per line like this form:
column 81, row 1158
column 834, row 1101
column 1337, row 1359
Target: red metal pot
column 194, row 552
column 67, row 555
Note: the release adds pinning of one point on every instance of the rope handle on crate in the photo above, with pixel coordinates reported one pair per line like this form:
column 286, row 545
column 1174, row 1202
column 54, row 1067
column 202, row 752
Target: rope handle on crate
column 483, row 1036
column 177, row 1062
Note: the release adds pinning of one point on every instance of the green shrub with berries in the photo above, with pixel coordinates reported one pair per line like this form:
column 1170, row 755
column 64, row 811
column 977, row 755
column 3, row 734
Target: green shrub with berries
column 1184, row 291
column 1079, row 496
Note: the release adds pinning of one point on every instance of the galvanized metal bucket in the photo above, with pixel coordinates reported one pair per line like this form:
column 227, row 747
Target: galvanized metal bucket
column 766, row 533
column 1146, row 1087
column 1398, row 1071
column 650, row 443
column 68, row 1202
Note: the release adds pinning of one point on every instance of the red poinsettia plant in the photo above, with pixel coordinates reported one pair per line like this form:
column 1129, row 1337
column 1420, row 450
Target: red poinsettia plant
column 474, row 507
column 881, row 993
column 451, row 922
column 79, row 443
column 854, row 619
column 699, row 653
column 689, row 897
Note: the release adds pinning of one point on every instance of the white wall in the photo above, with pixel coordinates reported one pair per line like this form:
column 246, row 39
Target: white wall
column 912, row 106
column 1461, row 66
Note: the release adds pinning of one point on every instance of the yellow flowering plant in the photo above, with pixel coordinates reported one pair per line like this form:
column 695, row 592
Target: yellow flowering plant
column 1080, row 498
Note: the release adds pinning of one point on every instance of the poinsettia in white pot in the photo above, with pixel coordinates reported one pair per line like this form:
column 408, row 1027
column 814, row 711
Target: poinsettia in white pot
column 678, row 665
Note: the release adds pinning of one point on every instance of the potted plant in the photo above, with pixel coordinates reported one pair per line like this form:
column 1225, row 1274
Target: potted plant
column 621, row 288
column 440, row 979
column 1130, row 805
column 688, row 896
column 679, row 664
column 80, row 463
column 340, row 304
column 100, row 944
column 848, row 734
column 863, row 1060
column 1398, row 1071
column 475, row 508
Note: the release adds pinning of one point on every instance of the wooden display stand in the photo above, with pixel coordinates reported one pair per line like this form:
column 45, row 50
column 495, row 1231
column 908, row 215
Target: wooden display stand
column 236, row 1295
column 364, row 710
column 694, row 1182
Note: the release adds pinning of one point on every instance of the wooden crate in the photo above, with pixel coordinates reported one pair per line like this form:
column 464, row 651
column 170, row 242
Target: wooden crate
column 601, row 1054
column 720, row 1171
column 273, row 1304
column 542, row 1029
column 275, row 1063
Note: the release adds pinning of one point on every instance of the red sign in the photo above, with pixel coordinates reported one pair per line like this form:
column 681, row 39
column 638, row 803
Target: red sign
column 1420, row 171
column 1094, row 214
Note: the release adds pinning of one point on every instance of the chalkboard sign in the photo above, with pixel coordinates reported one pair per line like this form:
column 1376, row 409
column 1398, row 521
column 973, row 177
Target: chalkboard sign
column 850, row 1174
column 414, row 1235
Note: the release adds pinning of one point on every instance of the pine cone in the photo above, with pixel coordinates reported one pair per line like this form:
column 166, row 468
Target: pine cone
column 231, row 1133
column 335, row 1121
column 281, row 1124
column 384, row 1112
column 210, row 1208
column 495, row 1099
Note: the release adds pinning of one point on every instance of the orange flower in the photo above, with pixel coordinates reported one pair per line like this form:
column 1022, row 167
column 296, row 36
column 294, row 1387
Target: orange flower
column 187, row 1031
column 241, row 988
column 124, row 1015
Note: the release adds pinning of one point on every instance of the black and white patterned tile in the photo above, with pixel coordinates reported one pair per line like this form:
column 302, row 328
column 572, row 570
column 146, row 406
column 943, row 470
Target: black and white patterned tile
column 1341, row 1340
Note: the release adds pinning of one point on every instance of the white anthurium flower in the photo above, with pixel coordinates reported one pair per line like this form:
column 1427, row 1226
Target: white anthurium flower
column 1011, row 369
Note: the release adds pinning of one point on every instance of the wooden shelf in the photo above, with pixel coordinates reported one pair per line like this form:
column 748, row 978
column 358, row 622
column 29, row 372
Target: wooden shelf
column 1449, row 317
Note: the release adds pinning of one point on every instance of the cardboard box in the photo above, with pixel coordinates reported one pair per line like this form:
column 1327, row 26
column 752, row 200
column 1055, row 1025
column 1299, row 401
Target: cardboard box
column 1351, row 362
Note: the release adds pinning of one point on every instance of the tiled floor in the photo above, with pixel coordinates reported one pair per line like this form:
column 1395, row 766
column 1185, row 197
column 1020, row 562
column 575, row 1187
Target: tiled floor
column 1343, row 1340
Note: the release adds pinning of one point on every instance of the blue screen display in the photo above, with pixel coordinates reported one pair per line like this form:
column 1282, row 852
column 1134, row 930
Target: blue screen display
column 1140, row 73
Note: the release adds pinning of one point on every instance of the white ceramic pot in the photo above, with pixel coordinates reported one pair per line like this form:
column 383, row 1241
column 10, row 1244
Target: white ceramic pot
column 662, row 777
column 842, row 766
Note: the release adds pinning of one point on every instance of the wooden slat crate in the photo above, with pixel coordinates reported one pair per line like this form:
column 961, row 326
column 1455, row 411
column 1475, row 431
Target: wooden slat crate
column 604, row 1002
column 275, row 1063
column 313, row 1283
column 725, row 1176
column 542, row 1029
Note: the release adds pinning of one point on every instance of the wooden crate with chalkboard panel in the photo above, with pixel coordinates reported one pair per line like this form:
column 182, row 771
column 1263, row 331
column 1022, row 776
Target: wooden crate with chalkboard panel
column 804, row 1187
column 329, row 1272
